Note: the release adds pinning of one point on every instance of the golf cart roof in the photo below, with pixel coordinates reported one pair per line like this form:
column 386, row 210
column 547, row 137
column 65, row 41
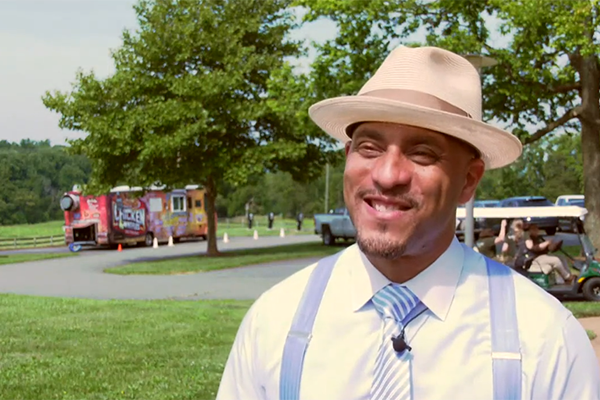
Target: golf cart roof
column 523, row 212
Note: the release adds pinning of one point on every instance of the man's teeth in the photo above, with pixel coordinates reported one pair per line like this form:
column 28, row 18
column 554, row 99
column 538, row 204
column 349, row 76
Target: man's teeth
column 385, row 207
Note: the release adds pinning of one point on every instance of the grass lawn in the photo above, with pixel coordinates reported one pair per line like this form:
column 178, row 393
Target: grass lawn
column 582, row 309
column 261, row 225
column 52, row 228
column 89, row 349
column 19, row 258
column 573, row 251
column 591, row 334
column 97, row 349
column 230, row 259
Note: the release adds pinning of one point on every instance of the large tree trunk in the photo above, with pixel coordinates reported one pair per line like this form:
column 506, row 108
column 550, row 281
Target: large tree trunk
column 211, row 196
column 590, row 142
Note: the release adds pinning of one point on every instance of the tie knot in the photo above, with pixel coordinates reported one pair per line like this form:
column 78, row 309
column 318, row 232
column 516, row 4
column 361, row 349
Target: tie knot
column 395, row 301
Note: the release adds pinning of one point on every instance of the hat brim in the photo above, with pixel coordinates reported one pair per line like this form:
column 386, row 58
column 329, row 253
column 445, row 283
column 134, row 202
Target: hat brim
column 498, row 148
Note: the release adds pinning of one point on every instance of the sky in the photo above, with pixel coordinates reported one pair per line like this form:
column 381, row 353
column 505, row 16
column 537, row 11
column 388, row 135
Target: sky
column 44, row 42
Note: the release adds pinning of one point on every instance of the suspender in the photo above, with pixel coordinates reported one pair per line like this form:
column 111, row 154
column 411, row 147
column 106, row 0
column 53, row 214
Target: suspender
column 506, row 349
column 300, row 332
column 506, row 356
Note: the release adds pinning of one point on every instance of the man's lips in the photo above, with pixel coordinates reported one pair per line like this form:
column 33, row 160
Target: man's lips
column 386, row 204
column 385, row 209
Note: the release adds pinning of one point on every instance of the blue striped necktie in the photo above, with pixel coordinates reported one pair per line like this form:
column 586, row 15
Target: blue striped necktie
column 392, row 369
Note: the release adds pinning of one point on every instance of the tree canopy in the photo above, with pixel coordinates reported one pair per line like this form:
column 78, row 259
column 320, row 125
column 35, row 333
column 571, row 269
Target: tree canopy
column 546, row 82
column 202, row 94
column 34, row 176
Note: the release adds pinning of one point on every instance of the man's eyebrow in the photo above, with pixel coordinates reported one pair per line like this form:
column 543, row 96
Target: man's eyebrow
column 368, row 133
column 427, row 140
column 371, row 133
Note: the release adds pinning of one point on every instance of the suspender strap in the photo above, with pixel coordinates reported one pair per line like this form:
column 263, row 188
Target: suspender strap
column 506, row 352
column 300, row 332
column 506, row 355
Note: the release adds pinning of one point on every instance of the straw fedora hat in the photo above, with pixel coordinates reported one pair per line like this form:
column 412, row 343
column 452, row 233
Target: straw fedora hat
column 426, row 87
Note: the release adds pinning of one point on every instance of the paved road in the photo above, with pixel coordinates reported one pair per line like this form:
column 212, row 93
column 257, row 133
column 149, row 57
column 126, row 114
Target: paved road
column 83, row 277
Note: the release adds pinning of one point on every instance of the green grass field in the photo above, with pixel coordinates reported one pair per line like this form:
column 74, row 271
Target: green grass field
column 229, row 259
column 52, row 228
column 94, row 349
column 20, row 258
column 88, row 349
column 233, row 227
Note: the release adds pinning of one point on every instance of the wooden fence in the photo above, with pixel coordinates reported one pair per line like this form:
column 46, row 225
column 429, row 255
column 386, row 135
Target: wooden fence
column 29, row 242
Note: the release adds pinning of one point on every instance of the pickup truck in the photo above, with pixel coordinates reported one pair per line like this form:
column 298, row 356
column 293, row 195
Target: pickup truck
column 333, row 225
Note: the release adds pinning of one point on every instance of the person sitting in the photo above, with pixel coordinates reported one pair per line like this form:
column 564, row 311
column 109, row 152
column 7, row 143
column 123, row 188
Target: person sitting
column 487, row 242
column 542, row 261
column 513, row 249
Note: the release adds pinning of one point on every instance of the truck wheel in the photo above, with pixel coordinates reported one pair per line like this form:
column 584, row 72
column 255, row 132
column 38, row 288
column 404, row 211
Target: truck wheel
column 148, row 239
column 591, row 289
column 328, row 238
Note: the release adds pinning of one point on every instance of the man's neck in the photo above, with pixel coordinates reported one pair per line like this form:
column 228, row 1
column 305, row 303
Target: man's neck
column 406, row 267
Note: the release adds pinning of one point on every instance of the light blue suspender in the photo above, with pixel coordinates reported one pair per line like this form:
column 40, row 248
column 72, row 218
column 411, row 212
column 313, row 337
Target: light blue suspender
column 300, row 332
column 506, row 356
column 506, row 349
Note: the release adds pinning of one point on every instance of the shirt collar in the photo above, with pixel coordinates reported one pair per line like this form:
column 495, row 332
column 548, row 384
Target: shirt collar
column 435, row 286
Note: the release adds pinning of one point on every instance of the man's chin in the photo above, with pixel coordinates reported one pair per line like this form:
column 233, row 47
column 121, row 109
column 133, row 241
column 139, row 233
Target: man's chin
column 380, row 246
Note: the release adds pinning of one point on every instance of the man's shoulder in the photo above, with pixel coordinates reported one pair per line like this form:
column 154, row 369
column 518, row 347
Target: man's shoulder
column 285, row 295
column 537, row 310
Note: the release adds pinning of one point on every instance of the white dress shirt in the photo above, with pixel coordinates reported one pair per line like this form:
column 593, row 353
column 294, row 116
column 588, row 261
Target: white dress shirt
column 450, row 342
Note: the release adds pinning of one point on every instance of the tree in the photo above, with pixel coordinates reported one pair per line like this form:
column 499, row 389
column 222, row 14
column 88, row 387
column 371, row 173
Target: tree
column 197, row 96
column 34, row 175
column 547, row 80
column 549, row 168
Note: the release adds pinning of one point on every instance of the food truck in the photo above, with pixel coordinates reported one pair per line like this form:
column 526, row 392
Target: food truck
column 131, row 216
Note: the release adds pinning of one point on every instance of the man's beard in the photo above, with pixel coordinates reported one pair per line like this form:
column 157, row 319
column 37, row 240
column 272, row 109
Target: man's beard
column 378, row 245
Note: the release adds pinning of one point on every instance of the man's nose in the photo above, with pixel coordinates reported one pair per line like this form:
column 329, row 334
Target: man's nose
column 392, row 169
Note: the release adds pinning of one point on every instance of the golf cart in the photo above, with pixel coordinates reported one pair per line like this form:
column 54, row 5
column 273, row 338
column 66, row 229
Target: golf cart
column 587, row 283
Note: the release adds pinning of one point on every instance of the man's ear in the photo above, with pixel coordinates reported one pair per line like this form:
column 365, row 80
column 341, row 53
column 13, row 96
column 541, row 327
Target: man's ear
column 348, row 146
column 475, row 171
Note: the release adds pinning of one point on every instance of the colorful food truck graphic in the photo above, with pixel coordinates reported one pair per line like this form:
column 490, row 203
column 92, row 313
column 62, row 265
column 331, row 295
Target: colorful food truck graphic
column 127, row 216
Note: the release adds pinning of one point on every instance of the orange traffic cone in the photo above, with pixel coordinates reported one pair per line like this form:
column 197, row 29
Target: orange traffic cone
column 120, row 247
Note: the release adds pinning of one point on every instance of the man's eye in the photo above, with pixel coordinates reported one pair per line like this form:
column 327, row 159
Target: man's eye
column 423, row 157
column 367, row 148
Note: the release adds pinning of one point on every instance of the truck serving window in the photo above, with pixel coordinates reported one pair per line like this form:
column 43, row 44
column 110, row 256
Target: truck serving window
column 178, row 203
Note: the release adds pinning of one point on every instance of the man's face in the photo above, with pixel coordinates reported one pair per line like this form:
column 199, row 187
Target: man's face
column 402, row 186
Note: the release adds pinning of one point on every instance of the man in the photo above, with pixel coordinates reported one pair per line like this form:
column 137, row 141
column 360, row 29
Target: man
column 538, row 248
column 405, row 313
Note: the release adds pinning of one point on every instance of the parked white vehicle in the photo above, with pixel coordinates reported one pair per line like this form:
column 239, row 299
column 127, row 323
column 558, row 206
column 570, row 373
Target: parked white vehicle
column 570, row 200
column 578, row 200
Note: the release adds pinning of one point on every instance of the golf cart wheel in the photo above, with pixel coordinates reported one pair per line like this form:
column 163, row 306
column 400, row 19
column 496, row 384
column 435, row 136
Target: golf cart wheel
column 591, row 289
column 551, row 231
column 328, row 238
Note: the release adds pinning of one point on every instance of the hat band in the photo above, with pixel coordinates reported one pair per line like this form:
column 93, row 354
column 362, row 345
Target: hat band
column 418, row 99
